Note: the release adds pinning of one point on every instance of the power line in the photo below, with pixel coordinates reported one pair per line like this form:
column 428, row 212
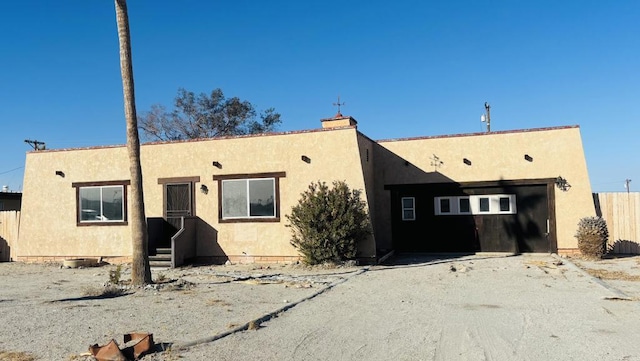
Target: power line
column 11, row 170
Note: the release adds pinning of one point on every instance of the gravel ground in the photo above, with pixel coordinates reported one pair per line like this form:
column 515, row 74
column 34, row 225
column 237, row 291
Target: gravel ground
column 45, row 310
column 536, row 307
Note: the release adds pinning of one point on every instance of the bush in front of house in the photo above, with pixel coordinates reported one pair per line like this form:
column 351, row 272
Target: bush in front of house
column 592, row 236
column 327, row 223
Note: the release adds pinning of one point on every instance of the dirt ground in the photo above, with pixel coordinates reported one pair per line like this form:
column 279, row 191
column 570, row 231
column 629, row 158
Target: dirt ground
column 53, row 313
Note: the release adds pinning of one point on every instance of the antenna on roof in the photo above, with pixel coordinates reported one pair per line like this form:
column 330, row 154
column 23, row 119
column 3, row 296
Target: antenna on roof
column 37, row 145
column 487, row 116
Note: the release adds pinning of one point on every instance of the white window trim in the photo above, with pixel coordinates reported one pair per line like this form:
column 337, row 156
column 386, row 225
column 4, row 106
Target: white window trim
column 474, row 202
column 412, row 208
column 458, row 199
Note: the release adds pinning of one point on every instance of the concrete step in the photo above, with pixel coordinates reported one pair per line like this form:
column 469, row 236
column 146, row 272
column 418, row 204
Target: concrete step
column 160, row 257
column 163, row 250
column 160, row 264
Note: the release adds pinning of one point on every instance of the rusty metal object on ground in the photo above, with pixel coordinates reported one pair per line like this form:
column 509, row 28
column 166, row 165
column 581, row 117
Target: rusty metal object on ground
column 108, row 352
column 140, row 345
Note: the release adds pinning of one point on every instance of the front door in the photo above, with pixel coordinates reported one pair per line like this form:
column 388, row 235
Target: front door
column 178, row 202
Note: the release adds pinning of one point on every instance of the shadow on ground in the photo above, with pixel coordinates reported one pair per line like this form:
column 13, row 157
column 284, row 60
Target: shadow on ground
column 406, row 260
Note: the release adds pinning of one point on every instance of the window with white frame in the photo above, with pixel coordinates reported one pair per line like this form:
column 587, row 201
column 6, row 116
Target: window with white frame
column 476, row 204
column 464, row 205
column 408, row 209
column 484, row 204
column 252, row 197
column 101, row 203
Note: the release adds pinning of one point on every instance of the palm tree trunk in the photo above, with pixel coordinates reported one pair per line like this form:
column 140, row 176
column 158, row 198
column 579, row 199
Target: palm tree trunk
column 140, row 271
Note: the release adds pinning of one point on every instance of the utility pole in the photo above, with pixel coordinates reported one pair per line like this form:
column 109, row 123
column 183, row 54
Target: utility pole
column 627, row 185
column 486, row 117
column 487, row 107
column 37, row 145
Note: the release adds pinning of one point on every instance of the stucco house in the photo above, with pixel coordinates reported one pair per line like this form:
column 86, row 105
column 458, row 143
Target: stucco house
column 506, row 191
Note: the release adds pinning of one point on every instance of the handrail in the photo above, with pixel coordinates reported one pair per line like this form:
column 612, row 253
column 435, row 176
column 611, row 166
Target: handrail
column 183, row 242
column 173, row 242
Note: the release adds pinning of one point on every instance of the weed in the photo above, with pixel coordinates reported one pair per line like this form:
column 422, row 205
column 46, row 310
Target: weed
column 114, row 275
column 161, row 278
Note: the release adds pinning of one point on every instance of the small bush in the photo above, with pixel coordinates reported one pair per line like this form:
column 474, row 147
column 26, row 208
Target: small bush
column 114, row 275
column 328, row 223
column 103, row 292
column 592, row 236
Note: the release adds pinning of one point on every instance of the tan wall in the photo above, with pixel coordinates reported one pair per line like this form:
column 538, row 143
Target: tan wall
column 367, row 163
column 495, row 156
column 49, row 201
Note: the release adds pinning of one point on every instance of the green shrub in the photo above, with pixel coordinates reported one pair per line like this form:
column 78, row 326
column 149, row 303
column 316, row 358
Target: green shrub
column 592, row 236
column 327, row 224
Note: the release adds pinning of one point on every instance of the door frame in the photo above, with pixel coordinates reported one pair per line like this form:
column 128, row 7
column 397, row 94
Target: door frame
column 179, row 180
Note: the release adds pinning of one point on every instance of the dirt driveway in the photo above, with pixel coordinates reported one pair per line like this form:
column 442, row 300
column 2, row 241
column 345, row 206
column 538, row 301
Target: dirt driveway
column 536, row 307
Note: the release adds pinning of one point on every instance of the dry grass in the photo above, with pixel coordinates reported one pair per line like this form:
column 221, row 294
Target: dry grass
column 104, row 292
column 536, row 263
column 217, row 302
column 604, row 274
column 254, row 281
column 254, row 325
column 15, row 356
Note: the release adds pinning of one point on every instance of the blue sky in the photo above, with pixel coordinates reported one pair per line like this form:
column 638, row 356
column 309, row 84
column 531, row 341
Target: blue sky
column 403, row 68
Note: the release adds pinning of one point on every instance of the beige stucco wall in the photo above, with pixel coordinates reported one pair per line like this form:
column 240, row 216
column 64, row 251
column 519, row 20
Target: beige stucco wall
column 494, row 156
column 49, row 202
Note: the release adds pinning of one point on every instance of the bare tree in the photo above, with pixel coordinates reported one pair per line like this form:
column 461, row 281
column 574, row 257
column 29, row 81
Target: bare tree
column 140, row 271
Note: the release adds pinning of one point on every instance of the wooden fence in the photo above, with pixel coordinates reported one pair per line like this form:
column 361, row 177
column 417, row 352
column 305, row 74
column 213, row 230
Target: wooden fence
column 9, row 225
column 621, row 211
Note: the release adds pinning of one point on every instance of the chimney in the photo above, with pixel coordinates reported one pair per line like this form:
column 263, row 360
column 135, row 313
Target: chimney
column 337, row 121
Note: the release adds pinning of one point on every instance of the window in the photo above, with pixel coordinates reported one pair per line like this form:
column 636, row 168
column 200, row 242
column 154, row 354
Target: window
column 445, row 205
column 476, row 204
column 464, row 207
column 1, row 206
column 505, row 205
column 101, row 203
column 408, row 209
column 483, row 205
column 250, row 198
